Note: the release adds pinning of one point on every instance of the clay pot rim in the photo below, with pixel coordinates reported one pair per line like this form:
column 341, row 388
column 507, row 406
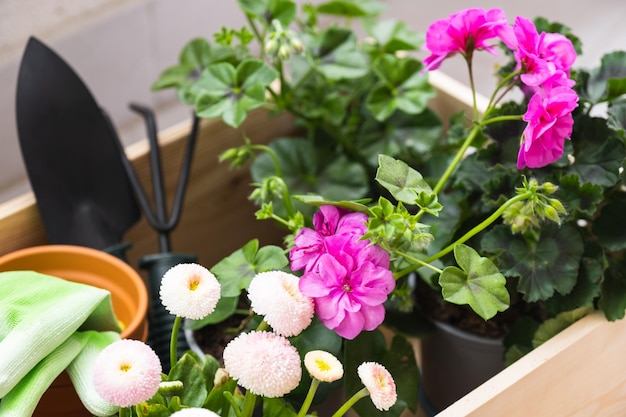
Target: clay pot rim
column 91, row 253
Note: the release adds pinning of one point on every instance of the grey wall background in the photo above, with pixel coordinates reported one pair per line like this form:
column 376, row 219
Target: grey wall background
column 119, row 47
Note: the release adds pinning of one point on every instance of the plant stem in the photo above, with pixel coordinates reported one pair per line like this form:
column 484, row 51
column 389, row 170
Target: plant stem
column 457, row 158
column 249, row 401
column 174, row 340
column 124, row 412
column 262, row 326
column 257, row 34
column 272, row 154
column 470, row 71
column 417, row 261
column 502, row 119
column 480, row 227
column 231, row 400
column 285, row 192
column 309, row 398
column 350, row 402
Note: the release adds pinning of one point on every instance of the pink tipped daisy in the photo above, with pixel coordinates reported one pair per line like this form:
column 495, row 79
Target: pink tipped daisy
column 190, row 291
column 126, row 373
column 276, row 295
column 379, row 383
column 194, row 412
column 323, row 366
column 264, row 363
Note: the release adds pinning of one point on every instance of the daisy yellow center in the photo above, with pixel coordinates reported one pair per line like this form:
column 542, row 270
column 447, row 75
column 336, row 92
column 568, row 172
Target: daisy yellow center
column 381, row 381
column 322, row 365
column 290, row 289
column 194, row 283
column 125, row 367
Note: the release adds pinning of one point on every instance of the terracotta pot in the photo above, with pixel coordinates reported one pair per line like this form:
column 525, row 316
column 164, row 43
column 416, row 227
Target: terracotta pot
column 454, row 362
column 89, row 266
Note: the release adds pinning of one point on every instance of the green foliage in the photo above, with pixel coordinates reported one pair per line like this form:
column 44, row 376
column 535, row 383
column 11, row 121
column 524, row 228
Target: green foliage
column 554, row 234
column 477, row 282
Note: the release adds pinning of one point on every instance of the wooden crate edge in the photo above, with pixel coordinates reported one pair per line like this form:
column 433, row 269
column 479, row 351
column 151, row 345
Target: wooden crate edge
column 576, row 370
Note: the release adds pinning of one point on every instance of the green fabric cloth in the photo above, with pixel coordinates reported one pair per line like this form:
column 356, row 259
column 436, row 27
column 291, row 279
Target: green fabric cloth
column 40, row 319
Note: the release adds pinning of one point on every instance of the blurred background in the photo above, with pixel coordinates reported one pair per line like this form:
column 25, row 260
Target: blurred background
column 119, row 47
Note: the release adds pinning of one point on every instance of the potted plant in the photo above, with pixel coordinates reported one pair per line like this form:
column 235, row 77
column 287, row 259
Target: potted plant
column 540, row 199
column 66, row 303
column 392, row 220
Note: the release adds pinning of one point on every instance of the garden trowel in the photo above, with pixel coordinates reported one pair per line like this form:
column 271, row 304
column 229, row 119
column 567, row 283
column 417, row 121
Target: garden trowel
column 74, row 166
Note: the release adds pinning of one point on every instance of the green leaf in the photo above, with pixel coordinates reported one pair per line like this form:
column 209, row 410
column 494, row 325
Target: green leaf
column 598, row 151
column 394, row 35
column 586, row 290
column 351, row 8
column 579, row 198
column 402, row 87
column 608, row 81
column 267, row 10
column 336, row 56
column 610, row 224
column 307, row 169
column 544, row 264
column 277, row 407
column 617, row 116
column 230, row 93
column 251, row 72
column 402, row 181
column 189, row 370
column 478, row 283
column 552, row 327
column 612, row 302
column 318, row 200
column 235, row 272
column 152, row 410
column 518, row 340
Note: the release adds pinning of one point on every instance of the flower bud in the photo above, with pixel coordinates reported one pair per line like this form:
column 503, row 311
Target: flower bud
column 271, row 46
column 171, row 388
column 549, row 188
column 221, row 377
column 284, row 51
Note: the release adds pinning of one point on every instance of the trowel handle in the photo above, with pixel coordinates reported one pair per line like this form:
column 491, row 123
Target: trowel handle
column 160, row 320
column 119, row 250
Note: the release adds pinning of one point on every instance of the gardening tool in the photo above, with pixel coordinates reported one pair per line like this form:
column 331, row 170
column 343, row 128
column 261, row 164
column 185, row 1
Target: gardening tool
column 158, row 264
column 73, row 164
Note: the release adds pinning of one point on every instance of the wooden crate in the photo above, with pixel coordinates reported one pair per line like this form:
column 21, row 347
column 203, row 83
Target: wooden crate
column 580, row 372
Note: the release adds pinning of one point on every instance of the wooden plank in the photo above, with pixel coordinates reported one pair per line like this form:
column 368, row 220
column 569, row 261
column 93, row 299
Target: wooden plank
column 578, row 373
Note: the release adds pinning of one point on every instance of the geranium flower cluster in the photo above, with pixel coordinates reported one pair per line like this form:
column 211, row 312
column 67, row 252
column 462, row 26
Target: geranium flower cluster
column 543, row 65
column 347, row 276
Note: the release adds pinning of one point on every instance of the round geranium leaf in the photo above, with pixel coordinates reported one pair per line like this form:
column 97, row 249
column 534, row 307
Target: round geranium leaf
column 545, row 263
column 478, row 283
column 609, row 225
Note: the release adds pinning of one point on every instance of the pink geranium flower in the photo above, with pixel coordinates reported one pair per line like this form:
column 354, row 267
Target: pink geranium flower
column 463, row 33
column 328, row 221
column 349, row 285
column 540, row 56
column 549, row 124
